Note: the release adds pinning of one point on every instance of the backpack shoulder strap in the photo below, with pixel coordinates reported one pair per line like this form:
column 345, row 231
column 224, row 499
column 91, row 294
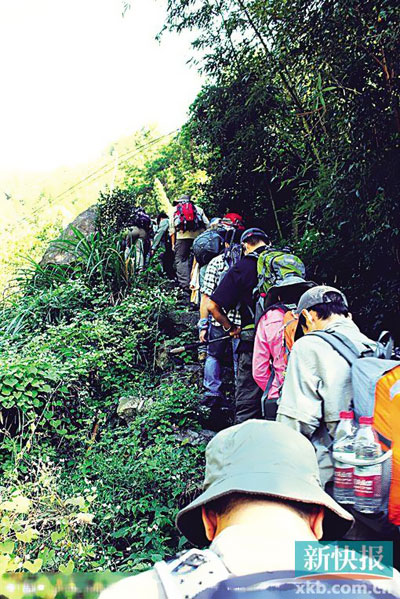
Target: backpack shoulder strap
column 191, row 572
column 340, row 343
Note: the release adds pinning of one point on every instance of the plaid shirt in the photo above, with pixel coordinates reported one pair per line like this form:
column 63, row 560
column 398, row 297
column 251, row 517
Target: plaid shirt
column 211, row 281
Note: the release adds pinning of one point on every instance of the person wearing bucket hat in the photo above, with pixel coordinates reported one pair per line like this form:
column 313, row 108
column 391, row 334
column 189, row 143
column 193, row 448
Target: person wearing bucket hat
column 276, row 325
column 261, row 494
column 236, row 290
column 317, row 384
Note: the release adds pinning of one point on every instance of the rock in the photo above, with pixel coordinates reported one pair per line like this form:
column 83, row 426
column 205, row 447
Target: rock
column 181, row 321
column 189, row 437
column 193, row 374
column 129, row 407
column 85, row 223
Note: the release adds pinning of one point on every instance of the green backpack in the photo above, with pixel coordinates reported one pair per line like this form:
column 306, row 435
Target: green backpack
column 275, row 268
column 275, row 265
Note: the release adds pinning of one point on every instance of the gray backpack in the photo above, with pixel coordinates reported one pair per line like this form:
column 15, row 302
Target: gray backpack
column 201, row 574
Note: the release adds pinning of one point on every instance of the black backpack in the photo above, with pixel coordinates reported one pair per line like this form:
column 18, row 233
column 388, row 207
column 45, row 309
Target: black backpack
column 208, row 245
column 139, row 218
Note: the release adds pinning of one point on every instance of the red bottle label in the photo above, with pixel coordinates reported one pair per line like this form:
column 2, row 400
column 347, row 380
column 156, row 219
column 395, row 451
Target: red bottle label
column 344, row 478
column 367, row 486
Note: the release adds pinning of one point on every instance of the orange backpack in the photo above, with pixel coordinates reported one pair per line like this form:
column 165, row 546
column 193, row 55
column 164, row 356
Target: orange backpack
column 376, row 392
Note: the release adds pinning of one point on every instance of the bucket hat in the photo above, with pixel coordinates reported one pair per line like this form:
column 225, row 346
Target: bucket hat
column 265, row 458
column 317, row 295
column 296, row 284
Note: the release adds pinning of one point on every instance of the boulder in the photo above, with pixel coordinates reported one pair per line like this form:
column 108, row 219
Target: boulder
column 189, row 437
column 85, row 223
column 179, row 321
column 129, row 407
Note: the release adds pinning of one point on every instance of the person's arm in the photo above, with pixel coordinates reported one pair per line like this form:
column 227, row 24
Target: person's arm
column 205, row 219
column 162, row 228
column 300, row 400
column 220, row 316
column 172, row 231
column 203, row 318
column 226, row 297
column 262, row 354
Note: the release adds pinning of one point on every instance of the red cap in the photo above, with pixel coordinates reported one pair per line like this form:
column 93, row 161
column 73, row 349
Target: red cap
column 346, row 415
column 234, row 220
column 366, row 419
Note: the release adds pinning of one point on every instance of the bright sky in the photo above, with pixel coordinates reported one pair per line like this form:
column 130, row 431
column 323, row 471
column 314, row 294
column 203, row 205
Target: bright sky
column 76, row 76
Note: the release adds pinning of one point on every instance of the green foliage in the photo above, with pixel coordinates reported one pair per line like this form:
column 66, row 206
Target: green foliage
column 78, row 487
column 114, row 210
column 300, row 120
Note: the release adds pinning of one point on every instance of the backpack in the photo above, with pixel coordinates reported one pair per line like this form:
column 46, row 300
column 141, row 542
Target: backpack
column 376, row 392
column 232, row 254
column 273, row 266
column 207, row 246
column 139, row 218
column 202, row 574
column 186, row 217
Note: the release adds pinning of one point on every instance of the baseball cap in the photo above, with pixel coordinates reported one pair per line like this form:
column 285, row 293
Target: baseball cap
column 182, row 198
column 318, row 295
column 232, row 219
column 262, row 458
column 254, row 232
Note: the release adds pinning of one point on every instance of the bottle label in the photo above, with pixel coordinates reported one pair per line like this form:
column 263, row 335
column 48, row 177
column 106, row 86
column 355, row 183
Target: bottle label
column 344, row 477
column 368, row 481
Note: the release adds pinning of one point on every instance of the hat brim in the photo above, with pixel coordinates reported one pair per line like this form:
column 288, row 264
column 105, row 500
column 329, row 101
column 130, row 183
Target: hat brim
column 293, row 283
column 337, row 520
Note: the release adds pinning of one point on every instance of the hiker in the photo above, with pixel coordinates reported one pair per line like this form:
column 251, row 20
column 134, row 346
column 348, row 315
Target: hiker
column 138, row 238
column 261, row 494
column 210, row 329
column 186, row 222
column 236, row 290
column 317, row 384
column 163, row 240
column 276, row 323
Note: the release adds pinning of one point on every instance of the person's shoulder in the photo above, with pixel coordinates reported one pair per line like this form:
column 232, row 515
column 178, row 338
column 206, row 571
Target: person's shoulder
column 146, row 585
column 309, row 343
column 216, row 262
column 273, row 315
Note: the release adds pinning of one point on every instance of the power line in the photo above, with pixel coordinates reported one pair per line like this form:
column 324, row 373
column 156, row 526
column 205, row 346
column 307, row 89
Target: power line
column 106, row 167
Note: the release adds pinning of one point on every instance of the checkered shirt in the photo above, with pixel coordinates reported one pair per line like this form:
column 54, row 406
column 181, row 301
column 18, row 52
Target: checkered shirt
column 211, row 281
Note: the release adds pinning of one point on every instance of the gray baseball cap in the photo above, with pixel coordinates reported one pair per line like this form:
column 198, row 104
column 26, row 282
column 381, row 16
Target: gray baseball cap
column 183, row 198
column 264, row 458
column 317, row 295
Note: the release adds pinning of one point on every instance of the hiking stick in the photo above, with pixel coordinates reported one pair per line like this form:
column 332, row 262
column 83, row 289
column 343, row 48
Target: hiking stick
column 182, row 348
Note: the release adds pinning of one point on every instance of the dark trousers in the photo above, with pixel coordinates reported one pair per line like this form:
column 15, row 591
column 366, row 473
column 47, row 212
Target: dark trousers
column 167, row 261
column 183, row 261
column 248, row 393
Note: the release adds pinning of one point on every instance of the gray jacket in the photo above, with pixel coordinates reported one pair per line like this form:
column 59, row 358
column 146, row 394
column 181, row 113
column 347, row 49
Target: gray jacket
column 317, row 387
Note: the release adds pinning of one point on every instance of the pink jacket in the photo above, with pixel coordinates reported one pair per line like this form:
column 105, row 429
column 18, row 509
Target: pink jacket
column 269, row 347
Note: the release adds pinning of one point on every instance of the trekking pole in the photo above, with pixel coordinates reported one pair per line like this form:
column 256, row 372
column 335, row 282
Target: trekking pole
column 182, row 348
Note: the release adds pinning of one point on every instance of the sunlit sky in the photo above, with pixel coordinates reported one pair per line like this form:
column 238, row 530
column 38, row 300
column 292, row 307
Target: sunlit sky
column 76, row 76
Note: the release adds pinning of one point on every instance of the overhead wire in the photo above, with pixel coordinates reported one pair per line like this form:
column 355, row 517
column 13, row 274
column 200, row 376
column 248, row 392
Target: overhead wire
column 106, row 168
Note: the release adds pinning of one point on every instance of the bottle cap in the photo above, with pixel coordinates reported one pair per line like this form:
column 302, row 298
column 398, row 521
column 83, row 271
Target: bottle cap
column 349, row 415
column 366, row 419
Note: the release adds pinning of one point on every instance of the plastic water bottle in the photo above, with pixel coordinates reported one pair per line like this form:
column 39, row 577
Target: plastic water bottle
column 367, row 478
column 344, row 444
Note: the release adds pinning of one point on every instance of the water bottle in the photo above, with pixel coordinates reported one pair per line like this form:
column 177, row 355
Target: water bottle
column 367, row 478
column 344, row 445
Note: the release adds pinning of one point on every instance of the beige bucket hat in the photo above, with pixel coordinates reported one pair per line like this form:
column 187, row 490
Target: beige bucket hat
column 262, row 458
